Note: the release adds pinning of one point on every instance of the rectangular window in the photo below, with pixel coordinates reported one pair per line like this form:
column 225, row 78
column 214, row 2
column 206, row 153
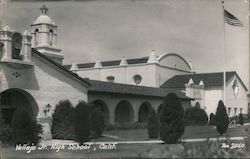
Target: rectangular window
column 241, row 110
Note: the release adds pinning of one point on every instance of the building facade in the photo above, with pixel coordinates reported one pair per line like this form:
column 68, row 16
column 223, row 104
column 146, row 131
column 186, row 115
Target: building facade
column 32, row 76
column 207, row 89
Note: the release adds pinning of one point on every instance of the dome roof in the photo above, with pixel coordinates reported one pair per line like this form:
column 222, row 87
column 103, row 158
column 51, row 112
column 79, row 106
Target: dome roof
column 44, row 19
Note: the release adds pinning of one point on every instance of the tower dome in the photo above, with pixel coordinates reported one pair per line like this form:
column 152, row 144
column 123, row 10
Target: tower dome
column 44, row 18
column 44, row 36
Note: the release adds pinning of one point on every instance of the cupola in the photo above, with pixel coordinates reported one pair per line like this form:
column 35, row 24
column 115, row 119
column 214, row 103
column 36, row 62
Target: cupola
column 44, row 36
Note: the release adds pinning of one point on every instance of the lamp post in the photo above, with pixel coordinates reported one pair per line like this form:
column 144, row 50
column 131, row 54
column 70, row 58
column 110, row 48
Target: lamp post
column 47, row 109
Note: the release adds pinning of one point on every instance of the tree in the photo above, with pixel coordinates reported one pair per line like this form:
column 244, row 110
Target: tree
column 97, row 122
column 153, row 124
column 82, row 122
column 62, row 121
column 171, row 119
column 222, row 119
column 196, row 116
column 241, row 119
column 24, row 129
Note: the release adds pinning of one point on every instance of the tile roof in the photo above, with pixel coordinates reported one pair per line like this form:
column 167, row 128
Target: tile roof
column 83, row 81
column 117, row 88
column 209, row 79
column 111, row 63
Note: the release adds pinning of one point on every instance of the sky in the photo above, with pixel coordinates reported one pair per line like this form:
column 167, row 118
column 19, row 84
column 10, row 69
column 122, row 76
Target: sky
column 91, row 30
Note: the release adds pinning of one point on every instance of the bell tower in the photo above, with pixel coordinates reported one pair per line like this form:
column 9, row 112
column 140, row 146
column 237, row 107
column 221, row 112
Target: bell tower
column 44, row 36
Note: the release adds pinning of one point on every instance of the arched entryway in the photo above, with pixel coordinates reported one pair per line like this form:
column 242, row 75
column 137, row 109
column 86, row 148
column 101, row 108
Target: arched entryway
column 14, row 98
column 144, row 112
column 99, row 104
column 124, row 112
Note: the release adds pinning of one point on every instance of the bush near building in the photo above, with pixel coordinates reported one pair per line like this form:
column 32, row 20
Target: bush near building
column 97, row 122
column 62, row 121
column 196, row 116
column 82, row 120
column 24, row 129
column 171, row 119
column 6, row 133
column 241, row 119
column 212, row 119
column 153, row 124
column 222, row 119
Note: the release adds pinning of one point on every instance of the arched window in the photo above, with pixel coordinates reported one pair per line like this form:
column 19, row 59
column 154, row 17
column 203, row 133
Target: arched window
column 36, row 37
column 110, row 78
column 16, row 46
column 51, row 37
column 137, row 79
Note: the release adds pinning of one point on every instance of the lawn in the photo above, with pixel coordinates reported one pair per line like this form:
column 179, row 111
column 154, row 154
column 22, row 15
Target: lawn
column 191, row 132
column 152, row 150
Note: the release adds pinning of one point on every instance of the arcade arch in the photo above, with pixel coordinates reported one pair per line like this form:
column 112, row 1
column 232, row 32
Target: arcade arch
column 124, row 112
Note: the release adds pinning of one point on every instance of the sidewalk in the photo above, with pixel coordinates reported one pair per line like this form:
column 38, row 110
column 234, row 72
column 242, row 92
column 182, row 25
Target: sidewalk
column 68, row 142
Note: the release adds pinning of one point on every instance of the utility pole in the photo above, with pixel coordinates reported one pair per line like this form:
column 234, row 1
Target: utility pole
column 1, row 14
column 248, row 54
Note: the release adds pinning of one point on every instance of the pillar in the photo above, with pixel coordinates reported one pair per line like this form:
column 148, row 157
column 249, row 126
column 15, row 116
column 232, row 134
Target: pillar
column 27, row 45
column 6, row 38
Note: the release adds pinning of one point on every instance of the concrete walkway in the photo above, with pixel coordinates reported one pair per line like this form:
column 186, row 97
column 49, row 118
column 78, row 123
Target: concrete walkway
column 68, row 142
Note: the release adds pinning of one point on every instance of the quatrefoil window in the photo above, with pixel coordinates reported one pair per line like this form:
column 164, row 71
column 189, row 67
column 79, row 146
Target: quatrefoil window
column 16, row 74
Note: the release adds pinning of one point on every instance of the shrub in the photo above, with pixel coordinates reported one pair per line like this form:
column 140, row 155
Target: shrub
column 196, row 116
column 197, row 105
column 212, row 119
column 35, row 130
column 6, row 133
column 153, row 124
column 97, row 122
column 222, row 119
column 24, row 130
column 82, row 122
column 171, row 119
column 241, row 122
column 62, row 121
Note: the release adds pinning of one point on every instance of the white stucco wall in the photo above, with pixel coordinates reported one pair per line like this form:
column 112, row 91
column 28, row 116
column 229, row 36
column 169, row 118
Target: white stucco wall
column 44, row 81
column 153, row 74
column 212, row 96
column 123, row 74
column 236, row 102
column 164, row 73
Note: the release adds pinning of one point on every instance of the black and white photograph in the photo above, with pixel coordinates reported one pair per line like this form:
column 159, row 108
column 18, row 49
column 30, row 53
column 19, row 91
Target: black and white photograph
column 124, row 79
